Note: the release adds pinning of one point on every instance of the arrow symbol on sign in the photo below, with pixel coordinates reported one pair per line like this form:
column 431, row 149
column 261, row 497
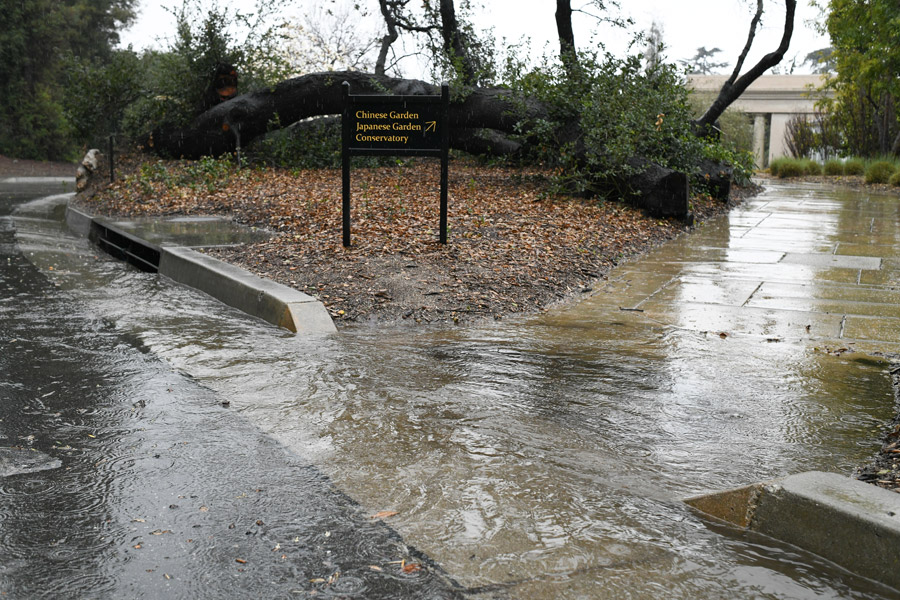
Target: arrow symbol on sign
column 431, row 126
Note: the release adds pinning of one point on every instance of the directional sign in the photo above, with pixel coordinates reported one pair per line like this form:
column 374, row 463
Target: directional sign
column 395, row 125
column 407, row 126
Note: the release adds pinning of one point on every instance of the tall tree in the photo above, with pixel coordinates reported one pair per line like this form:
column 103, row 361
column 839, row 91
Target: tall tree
column 34, row 37
column 703, row 62
column 736, row 83
column 865, row 36
column 566, row 35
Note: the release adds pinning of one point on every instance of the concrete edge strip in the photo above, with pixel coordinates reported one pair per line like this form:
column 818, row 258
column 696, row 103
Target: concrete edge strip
column 278, row 304
column 851, row 523
column 271, row 301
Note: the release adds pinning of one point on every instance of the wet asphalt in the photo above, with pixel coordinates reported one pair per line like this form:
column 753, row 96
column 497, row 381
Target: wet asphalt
column 123, row 478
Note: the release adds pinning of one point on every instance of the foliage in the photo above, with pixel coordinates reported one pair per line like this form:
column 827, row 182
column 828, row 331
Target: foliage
column 807, row 136
column 33, row 40
column 160, row 177
column 785, row 167
column 178, row 81
column 703, row 63
column 742, row 161
column 104, row 90
column 811, row 167
column 478, row 63
column 880, row 172
column 865, row 38
column 623, row 111
column 834, row 168
column 308, row 145
column 735, row 128
column 329, row 39
column 854, row 166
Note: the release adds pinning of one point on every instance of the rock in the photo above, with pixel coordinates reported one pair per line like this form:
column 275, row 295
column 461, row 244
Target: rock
column 716, row 179
column 89, row 165
column 660, row 191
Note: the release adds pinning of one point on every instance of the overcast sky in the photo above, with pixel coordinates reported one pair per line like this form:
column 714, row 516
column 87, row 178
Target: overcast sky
column 686, row 24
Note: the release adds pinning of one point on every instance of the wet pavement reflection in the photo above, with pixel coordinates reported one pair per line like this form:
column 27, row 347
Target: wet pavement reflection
column 534, row 458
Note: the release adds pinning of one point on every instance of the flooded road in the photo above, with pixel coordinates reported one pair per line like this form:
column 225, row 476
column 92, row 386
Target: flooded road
column 121, row 477
column 535, row 458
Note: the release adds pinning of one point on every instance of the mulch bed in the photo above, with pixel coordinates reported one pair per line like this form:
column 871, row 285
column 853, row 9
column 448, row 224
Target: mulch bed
column 513, row 247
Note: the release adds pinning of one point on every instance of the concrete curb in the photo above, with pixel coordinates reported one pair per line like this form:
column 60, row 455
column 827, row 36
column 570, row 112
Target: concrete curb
column 851, row 523
column 276, row 303
column 270, row 301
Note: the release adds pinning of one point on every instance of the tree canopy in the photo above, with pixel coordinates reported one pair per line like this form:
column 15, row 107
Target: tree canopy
column 865, row 37
column 35, row 37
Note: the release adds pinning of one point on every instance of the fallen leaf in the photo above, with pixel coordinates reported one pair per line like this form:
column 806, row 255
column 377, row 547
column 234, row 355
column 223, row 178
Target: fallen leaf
column 384, row 514
column 412, row 567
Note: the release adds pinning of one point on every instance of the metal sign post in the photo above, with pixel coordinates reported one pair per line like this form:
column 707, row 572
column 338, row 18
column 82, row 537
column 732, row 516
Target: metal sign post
column 394, row 126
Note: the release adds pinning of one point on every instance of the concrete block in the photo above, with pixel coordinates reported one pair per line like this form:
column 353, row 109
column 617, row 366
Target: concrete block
column 854, row 524
column 78, row 222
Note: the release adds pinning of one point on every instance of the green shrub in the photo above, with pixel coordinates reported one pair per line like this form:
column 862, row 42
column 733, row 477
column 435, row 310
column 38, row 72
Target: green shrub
column 791, row 168
column 834, row 168
column 854, row 166
column 880, row 172
column 775, row 166
column 625, row 112
column 895, row 179
column 811, row 167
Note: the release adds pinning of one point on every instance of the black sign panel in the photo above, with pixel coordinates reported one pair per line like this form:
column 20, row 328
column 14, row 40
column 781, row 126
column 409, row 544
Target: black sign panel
column 398, row 126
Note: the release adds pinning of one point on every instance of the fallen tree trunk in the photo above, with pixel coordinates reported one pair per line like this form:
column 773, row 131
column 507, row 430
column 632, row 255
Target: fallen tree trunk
column 480, row 123
column 220, row 129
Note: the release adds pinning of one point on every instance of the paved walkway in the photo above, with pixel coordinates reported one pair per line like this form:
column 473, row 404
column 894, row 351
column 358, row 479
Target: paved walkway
column 800, row 262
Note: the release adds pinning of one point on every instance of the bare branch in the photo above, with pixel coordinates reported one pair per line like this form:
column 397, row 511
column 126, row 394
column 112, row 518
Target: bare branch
column 753, row 24
column 732, row 91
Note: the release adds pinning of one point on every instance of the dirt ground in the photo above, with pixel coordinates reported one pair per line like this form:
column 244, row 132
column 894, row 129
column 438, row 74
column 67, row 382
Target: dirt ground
column 19, row 167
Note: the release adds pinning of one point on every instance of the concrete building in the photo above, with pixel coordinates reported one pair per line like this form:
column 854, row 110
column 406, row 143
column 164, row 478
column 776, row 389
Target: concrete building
column 772, row 100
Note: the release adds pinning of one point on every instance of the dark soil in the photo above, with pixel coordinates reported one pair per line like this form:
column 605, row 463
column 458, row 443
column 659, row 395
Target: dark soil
column 884, row 469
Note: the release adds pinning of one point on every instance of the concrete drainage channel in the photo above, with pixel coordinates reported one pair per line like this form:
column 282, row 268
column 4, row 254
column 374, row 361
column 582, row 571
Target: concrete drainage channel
column 851, row 523
column 270, row 301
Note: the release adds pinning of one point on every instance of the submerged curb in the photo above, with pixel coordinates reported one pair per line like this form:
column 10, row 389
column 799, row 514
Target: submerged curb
column 851, row 523
column 278, row 304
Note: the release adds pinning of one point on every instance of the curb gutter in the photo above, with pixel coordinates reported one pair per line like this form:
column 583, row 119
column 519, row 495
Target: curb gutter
column 851, row 523
column 273, row 302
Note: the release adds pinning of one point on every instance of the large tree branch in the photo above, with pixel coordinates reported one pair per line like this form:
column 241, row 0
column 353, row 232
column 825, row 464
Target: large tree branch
column 732, row 91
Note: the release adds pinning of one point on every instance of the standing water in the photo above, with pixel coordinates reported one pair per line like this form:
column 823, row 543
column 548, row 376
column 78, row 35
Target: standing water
column 547, row 457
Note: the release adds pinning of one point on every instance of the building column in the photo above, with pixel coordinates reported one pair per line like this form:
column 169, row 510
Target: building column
column 777, row 128
column 759, row 140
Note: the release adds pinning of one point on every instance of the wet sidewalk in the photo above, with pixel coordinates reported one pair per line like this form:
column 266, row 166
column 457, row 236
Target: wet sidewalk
column 806, row 263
